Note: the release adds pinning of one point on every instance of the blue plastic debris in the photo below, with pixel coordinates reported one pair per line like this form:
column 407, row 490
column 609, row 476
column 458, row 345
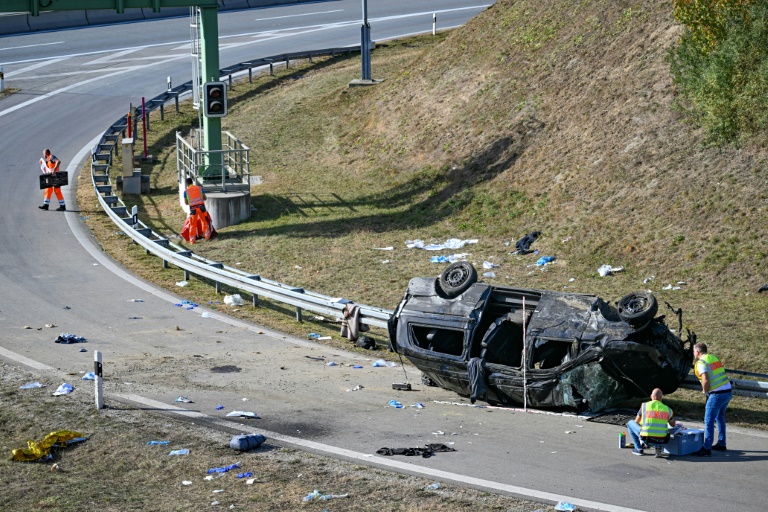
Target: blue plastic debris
column 395, row 404
column 219, row 407
column 153, row 443
column 89, row 376
column 247, row 474
column 564, row 505
column 544, row 260
column 224, row 469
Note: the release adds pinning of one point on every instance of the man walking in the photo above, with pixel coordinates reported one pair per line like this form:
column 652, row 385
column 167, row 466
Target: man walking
column 49, row 164
column 652, row 423
column 717, row 388
column 199, row 226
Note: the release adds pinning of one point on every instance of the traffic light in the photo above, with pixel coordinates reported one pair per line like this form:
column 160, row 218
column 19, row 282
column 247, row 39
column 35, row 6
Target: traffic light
column 215, row 99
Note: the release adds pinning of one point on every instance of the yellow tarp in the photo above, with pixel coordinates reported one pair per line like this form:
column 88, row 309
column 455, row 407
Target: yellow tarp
column 43, row 448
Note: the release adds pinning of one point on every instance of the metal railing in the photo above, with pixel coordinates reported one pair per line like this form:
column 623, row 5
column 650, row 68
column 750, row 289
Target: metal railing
column 222, row 170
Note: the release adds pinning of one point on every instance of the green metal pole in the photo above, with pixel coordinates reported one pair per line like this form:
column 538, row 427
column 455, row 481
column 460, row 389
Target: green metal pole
column 209, row 30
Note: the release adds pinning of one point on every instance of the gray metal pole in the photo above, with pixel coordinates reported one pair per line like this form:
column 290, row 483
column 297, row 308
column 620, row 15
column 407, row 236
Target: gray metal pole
column 365, row 43
column 2, row 80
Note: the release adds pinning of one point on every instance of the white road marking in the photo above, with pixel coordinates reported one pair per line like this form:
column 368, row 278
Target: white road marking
column 13, row 356
column 110, row 57
column 35, row 66
column 30, row 46
column 297, row 15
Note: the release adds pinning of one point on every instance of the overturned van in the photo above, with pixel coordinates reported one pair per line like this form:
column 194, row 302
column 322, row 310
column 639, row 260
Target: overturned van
column 547, row 349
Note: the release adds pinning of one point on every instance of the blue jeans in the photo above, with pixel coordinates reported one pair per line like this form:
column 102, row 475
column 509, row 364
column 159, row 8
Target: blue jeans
column 714, row 412
column 634, row 433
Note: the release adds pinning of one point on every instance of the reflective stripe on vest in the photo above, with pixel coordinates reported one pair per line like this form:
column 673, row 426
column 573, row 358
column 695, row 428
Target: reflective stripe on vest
column 195, row 195
column 655, row 416
column 716, row 370
column 47, row 165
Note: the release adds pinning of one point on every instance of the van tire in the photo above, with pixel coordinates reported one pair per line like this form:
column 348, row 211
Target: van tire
column 457, row 278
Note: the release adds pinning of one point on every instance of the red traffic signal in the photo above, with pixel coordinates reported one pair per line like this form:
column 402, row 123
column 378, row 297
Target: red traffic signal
column 215, row 99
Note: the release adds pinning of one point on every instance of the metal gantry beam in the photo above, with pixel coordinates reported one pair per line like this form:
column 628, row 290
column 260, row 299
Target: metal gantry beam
column 35, row 7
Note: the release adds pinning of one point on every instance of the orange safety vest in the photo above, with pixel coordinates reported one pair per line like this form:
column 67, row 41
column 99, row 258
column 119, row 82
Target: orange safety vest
column 48, row 164
column 195, row 195
column 655, row 416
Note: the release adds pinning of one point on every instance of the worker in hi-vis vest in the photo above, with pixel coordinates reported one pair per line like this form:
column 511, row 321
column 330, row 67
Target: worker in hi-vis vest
column 49, row 164
column 717, row 388
column 199, row 226
column 652, row 423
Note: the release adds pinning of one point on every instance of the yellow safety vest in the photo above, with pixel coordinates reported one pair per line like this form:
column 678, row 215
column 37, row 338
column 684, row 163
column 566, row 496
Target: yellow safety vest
column 716, row 370
column 655, row 416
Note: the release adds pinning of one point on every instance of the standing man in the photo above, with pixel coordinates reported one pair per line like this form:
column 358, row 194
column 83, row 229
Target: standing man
column 199, row 226
column 49, row 164
column 717, row 388
column 652, row 422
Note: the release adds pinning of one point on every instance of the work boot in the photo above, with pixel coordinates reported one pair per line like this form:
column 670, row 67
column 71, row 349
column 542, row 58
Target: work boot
column 61, row 208
column 702, row 453
column 44, row 207
column 719, row 447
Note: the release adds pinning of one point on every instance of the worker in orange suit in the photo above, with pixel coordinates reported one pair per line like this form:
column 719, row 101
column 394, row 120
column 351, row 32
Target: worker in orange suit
column 199, row 226
column 49, row 164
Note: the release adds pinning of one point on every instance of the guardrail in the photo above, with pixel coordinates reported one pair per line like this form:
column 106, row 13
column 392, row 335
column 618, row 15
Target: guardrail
column 219, row 273
column 170, row 253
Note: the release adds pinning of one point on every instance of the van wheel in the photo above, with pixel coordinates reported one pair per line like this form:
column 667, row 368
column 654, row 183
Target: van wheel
column 427, row 381
column 638, row 308
column 457, row 278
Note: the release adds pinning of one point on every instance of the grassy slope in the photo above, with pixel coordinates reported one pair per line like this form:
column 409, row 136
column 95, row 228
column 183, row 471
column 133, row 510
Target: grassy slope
column 543, row 115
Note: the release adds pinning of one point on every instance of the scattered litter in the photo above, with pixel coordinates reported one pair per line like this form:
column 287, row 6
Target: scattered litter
column 438, row 259
column 246, row 442
column 244, row 414
column 233, row 300
column 55, row 467
column 224, row 469
column 418, row 405
column 648, row 279
column 356, row 367
column 181, row 283
column 523, row 245
column 432, row 486
column 668, row 287
column 380, row 362
column 297, row 267
column 64, row 389
column 186, row 482
column 50, row 326
column 356, row 388
column 324, row 338
column 426, row 452
column 66, row 338
column 384, row 248
column 216, row 491
column 206, row 315
column 384, row 261
column 313, row 336
column 489, row 274
column 214, row 503
column 452, row 243
column 183, row 451
column 606, row 270
column 544, row 260
column 682, row 282
column 570, row 431
column 135, row 300
column 566, row 239
column 564, row 505
column 395, row 404
column 315, row 495
column 28, row 327
column 154, row 443
column 32, row 385
column 245, row 399
column 184, row 400
column 250, row 481
column 331, row 363
column 89, row 376
column 247, row 474
column 83, row 350
column 219, row 407
column 439, row 433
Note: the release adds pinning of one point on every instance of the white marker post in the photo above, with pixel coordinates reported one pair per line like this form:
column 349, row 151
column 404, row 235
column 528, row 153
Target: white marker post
column 135, row 216
column 525, row 363
column 98, row 381
column 434, row 23
column 169, row 83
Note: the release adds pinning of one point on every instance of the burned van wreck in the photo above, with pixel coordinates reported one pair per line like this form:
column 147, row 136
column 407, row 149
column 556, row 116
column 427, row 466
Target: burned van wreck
column 560, row 350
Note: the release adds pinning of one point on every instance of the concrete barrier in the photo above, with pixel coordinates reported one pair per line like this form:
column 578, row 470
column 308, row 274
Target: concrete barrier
column 228, row 209
column 13, row 23
column 233, row 4
column 165, row 13
column 53, row 20
column 108, row 16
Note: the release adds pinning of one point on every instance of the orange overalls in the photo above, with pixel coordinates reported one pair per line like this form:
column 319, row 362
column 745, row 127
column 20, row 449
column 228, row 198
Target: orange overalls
column 198, row 219
column 48, row 166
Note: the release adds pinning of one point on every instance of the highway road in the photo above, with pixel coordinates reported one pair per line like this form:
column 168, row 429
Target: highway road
column 74, row 83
